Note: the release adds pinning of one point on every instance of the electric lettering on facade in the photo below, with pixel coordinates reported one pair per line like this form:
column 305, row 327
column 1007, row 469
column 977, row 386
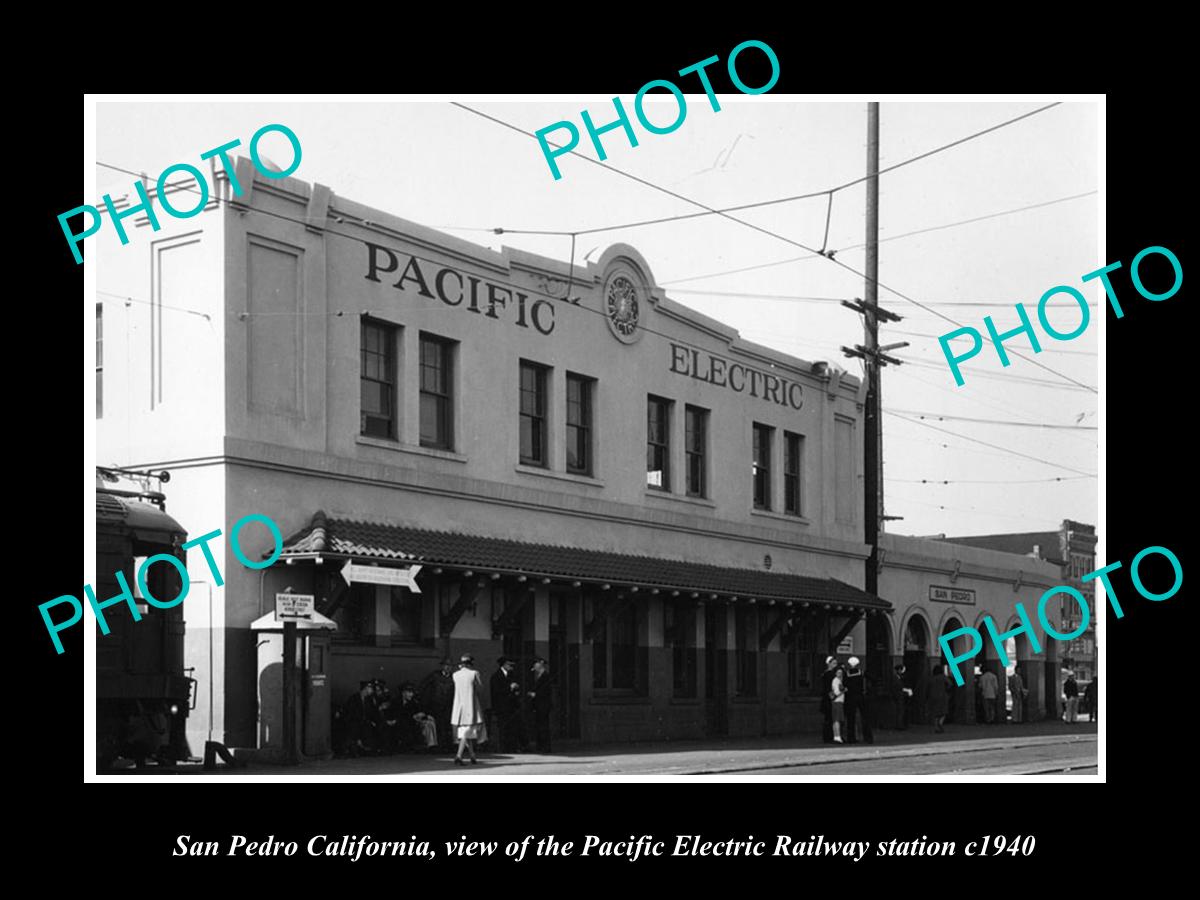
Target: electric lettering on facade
column 453, row 288
column 622, row 119
column 147, row 207
column 1026, row 627
column 1026, row 327
column 721, row 372
column 178, row 563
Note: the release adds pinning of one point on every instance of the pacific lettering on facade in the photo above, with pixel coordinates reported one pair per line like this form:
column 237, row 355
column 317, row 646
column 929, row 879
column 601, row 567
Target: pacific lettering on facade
column 462, row 291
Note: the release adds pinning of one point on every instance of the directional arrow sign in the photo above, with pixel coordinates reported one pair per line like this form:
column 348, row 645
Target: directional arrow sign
column 379, row 575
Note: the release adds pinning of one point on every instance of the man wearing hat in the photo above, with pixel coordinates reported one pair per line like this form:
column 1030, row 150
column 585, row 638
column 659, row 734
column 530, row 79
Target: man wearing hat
column 540, row 695
column 827, row 701
column 506, row 707
column 856, row 703
column 437, row 694
column 360, row 715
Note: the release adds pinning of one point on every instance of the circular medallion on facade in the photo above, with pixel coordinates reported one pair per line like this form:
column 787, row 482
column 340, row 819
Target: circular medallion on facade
column 622, row 308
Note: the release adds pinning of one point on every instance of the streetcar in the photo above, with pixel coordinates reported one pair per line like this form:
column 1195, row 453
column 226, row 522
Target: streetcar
column 143, row 693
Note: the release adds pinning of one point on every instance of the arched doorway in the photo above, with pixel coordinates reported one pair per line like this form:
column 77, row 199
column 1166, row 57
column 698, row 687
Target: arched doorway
column 962, row 699
column 916, row 663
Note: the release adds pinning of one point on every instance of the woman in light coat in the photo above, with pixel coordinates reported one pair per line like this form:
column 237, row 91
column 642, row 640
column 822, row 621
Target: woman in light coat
column 466, row 715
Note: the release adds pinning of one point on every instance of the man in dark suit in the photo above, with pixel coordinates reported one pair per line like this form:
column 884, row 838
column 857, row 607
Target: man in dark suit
column 437, row 694
column 857, row 709
column 506, row 707
column 361, row 718
column 540, row 695
column 826, row 700
column 901, row 693
column 1092, row 695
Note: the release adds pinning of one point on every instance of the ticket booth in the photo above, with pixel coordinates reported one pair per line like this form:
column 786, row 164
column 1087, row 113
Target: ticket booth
column 311, row 681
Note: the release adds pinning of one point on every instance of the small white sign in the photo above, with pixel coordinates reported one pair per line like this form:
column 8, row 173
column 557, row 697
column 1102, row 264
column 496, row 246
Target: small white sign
column 951, row 595
column 846, row 647
column 353, row 572
column 293, row 607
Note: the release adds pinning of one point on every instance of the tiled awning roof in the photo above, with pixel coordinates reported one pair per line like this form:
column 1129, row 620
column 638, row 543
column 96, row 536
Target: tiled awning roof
column 372, row 541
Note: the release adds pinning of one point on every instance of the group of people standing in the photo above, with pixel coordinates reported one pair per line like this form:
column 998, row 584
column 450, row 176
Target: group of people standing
column 846, row 693
column 844, row 702
column 1090, row 699
column 467, row 714
column 447, row 712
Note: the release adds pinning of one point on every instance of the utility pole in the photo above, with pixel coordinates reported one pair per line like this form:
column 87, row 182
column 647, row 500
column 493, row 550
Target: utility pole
column 873, row 359
column 873, row 433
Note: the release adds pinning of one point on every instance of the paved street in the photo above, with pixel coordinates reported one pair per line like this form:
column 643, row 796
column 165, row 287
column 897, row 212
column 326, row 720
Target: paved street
column 1040, row 748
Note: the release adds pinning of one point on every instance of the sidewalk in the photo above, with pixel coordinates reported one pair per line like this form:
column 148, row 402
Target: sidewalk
column 708, row 756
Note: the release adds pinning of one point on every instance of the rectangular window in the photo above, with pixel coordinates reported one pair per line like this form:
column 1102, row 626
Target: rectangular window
column 679, row 630
column 436, row 393
column 800, row 640
column 695, row 435
column 762, row 466
column 579, row 424
column 99, row 360
column 405, row 615
column 747, row 651
column 658, row 444
column 845, row 471
column 616, row 656
column 355, row 617
column 378, row 379
column 793, row 468
column 600, row 647
column 358, row 622
column 533, row 414
column 624, row 635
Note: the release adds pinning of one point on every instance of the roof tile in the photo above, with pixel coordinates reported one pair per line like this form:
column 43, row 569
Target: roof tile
column 377, row 541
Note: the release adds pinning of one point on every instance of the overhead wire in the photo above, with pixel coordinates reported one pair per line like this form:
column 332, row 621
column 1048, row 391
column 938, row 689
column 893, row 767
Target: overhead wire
column 816, row 299
column 1044, row 349
column 1004, row 376
column 796, row 243
column 1009, row 450
column 938, row 481
column 945, row 416
column 741, row 207
column 955, row 508
column 882, row 240
column 975, row 399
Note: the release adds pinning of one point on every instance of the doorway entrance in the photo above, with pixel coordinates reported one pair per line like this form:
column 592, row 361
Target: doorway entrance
column 957, row 708
column 716, row 681
column 916, row 664
column 564, row 671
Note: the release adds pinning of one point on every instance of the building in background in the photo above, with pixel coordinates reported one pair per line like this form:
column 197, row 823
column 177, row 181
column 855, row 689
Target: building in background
column 1073, row 550
column 935, row 588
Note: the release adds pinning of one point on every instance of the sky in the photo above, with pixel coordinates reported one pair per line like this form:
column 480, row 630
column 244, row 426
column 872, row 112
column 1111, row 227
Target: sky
column 438, row 164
